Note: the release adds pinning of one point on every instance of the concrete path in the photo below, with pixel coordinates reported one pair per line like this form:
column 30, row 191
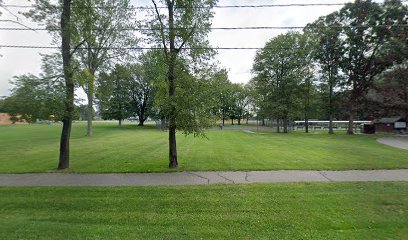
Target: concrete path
column 397, row 141
column 200, row 178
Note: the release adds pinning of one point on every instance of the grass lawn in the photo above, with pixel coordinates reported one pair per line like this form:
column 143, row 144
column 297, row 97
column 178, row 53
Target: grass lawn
column 261, row 211
column 34, row 148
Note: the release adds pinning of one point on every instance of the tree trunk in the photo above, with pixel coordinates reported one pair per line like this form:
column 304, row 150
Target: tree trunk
column 232, row 121
column 278, row 125
column 330, row 106
column 350, row 123
column 285, row 125
column 306, row 124
column 172, row 116
column 263, row 122
column 141, row 122
column 163, row 123
column 239, row 121
column 247, row 119
column 331, row 124
column 120, row 122
column 89, row 131
column 173, row 148
column 64, row 144
column 69, row 85
column 406, row 101
column 223, row 121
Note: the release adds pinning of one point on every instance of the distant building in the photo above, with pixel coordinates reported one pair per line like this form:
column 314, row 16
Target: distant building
column 392, row 124
column 5, row 119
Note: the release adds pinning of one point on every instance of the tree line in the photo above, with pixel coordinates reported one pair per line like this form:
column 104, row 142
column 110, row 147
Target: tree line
column 350, row 64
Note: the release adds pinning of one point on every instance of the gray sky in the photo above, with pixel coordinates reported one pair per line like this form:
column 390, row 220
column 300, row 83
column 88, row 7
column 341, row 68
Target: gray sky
column 238, row 62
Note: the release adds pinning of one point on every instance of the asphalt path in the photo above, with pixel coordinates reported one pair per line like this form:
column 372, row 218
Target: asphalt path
column 199, row 178
column 397, row 141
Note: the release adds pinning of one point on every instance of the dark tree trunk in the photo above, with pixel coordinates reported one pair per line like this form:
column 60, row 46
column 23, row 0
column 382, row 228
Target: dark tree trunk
column 330, row 105
column 306, row 124
column 223, row 121
column 172, row 121
column 69, row 85
column 263, row 122
column 64, row 144
column 247, row 119
column 232, row 121
column 278, row 125
column 350, row 123
column 163, row 123
column 331, row 124
column 239, row 121
column 120, row 122
column 142, row 116
column 285, row 125
column 173, row 148
column 406, row 101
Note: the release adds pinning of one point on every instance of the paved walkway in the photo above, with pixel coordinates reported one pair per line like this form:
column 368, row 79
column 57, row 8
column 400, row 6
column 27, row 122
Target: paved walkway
column 199, row 178
column 397, row 141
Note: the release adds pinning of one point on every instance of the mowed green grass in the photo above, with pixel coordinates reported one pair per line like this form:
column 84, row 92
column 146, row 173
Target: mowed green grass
column 34, row 148
column 261, row 211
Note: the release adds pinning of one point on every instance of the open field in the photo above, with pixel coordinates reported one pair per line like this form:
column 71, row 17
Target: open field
column 34, row 148
column 261, row 211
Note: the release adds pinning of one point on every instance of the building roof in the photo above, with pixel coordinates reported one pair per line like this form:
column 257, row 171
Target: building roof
column 390, row 120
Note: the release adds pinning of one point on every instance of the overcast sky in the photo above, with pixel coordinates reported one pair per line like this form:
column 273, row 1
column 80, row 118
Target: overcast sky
column 238, row 62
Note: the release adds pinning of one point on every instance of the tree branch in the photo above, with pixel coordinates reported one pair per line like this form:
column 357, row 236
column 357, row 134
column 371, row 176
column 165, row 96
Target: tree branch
column 161, row 28
column 77, row 46
column 188, row 37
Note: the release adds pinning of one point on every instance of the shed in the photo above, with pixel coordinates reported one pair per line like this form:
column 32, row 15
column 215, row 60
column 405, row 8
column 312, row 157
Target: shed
column 391, row 124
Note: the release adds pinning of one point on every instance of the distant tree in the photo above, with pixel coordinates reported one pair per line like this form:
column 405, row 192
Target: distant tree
column 222, row 94
column 389, row 97
column 241, row 100
column 279, row 69
column 145, row 78
column 327, row 50
column 35, row 97
column 367, row 52
column 113, row 94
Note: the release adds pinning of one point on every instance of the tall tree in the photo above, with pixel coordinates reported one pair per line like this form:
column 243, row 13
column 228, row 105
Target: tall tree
column 222, row 92
column 241, row 101
column 279, row 69
column 324, row 34
column 186, row 24
column 145, row 77
column 113, row 94
column 100, row 27
column 66, row 53
column 366, row 48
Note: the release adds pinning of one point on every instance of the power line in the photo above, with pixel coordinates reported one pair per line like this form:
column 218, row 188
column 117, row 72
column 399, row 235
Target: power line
column 142, row 48
column 218, row 6
column 130, row 48
column 223, row 28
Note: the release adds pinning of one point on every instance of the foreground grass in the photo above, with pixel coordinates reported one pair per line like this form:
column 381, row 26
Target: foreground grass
column 273, row 211
column 34, row 148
